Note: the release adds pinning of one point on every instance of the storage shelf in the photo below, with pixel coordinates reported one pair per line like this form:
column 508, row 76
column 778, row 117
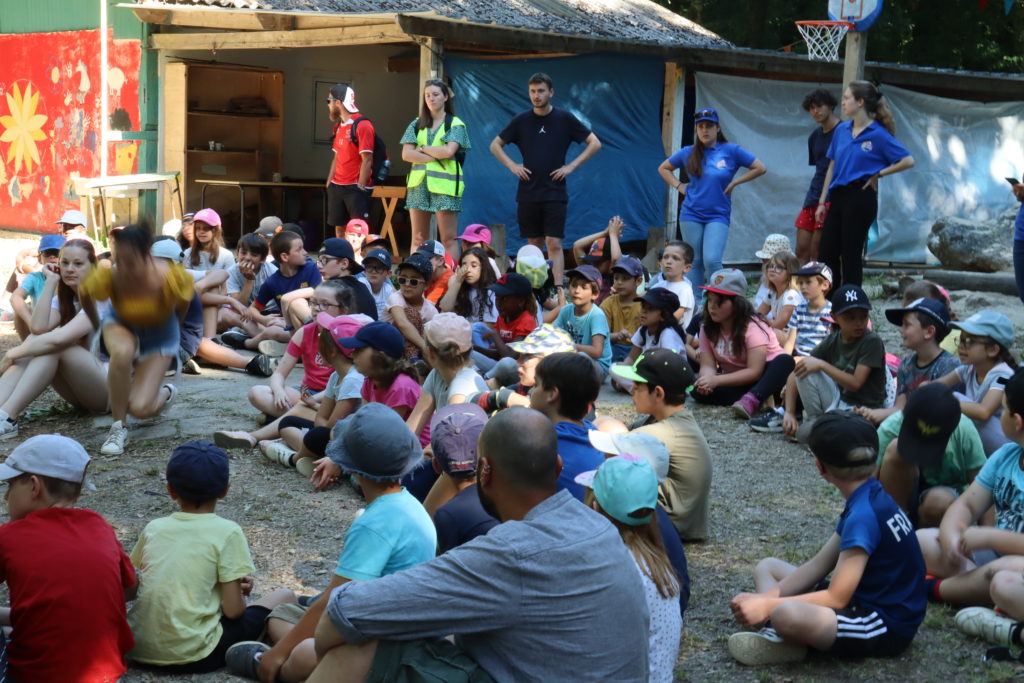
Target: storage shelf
column 250, row 152
column 233, row 115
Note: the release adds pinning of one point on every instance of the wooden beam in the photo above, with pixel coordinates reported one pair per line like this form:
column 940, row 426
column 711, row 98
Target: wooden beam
column 259, row 40
column 275, row 22
column 153, row 16
column 856, row 50
column 431, row 56
column 672, row 134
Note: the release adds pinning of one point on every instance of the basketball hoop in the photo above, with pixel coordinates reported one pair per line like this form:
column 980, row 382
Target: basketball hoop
column 823, row 38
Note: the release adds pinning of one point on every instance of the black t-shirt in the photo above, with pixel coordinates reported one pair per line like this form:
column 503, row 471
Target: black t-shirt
column 461, row 519
column 817, row 146
column 543, row 142
column 364, row 299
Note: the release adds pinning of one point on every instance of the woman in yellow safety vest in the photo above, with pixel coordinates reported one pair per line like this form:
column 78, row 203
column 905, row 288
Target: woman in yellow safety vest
column 435, row 144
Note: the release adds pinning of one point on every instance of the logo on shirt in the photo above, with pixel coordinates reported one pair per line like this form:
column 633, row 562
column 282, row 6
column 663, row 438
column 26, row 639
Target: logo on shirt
column 720, row 163
column 865, row 146
column 541, row 131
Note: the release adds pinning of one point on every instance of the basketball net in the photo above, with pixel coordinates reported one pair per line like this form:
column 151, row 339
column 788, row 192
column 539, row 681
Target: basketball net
column 823, row 38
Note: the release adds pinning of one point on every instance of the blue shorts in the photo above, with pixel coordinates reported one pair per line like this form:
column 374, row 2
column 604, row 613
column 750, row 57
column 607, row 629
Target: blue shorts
column 163, row 338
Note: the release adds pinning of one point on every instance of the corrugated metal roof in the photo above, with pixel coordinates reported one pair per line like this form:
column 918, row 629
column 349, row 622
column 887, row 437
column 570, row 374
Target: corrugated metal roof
column 639, row 21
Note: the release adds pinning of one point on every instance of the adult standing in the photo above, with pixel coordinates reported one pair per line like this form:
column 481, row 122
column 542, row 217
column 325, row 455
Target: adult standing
column 821, row 105
column 863, row 150
column 433, row 144
column 349, row 181
column 710, row 163
column 543, row 136
column 1018, row 241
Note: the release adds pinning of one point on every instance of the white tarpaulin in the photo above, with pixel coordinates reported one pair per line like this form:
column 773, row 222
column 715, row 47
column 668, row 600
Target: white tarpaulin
column 963, row 152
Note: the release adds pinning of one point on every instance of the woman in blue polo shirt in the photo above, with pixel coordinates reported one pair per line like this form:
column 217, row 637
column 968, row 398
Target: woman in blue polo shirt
column 710, row 163
column 863, row 150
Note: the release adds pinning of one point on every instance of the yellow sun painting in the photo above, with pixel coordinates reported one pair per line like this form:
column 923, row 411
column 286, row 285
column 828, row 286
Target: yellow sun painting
column 22, row 127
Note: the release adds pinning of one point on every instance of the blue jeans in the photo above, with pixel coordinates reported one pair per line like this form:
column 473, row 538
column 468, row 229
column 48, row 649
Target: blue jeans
column 1018, row 266
column 708, row 242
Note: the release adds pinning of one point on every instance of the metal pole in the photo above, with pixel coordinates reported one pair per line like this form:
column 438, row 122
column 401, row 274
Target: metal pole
column 104, row 69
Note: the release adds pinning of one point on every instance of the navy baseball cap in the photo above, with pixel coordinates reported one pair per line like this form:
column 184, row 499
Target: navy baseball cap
column 341, row 248
column 837, row 434
column 419, row 262
column 848, row 297
column 198, row 471
column 454, row 433
column 586, row 272
column 936, row 310
column 512, row 283
column 630, row 265
column 930, row 417
column 661, row 297
column 381, row 255
column 377, row 335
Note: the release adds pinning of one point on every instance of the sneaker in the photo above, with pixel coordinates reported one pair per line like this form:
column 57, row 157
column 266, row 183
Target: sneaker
column 305, row 467
column 757, row 648
column 243, row 658
column 746, row 406
column 261, row 365
column 234, row 440
column 767, row 422
column 173, row 394
column 272, row 348
column 984, row 623
column 8, row 428
column 235, row 338
column 190, row 367
column 277, row 451
column 117, row 439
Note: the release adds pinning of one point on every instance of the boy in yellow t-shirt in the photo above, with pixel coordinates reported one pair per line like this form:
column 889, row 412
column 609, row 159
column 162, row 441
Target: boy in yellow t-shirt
column 622, row 308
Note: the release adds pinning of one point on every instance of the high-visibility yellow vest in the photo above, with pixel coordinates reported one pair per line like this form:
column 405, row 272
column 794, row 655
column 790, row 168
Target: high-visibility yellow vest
column 444, row 176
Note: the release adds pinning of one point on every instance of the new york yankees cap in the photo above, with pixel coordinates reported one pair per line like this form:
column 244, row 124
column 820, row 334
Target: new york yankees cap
column 848, row 297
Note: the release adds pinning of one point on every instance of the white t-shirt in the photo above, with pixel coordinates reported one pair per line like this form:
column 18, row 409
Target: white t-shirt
column 789, row 297
column 663, row 636
column 379, row 298
column 466, row 382
column 668, row 339
column 236, row 281
column 490, row 314
column 427, row 310
column 348, row 387
column 762, row 294
column 225, row 259
column 684, row 290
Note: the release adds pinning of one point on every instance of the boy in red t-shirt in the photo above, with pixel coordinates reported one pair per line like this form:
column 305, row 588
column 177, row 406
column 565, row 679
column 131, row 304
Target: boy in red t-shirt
column 517, row 317
column 67, row 574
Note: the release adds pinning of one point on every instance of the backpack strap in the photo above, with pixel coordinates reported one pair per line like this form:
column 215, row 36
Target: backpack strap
column 352, row 131
column 447, row 126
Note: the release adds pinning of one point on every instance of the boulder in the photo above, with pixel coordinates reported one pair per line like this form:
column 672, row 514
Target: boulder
column 981, row 246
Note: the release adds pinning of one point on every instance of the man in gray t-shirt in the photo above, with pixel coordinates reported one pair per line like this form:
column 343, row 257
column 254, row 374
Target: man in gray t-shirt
column 551, row 593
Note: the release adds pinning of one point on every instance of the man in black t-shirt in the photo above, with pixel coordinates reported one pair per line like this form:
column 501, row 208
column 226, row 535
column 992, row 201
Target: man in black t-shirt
column 820, row 104
column 543, row 136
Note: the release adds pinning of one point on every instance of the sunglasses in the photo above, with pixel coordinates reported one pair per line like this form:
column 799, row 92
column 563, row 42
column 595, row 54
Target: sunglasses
column 331, row 99
column 411, row 281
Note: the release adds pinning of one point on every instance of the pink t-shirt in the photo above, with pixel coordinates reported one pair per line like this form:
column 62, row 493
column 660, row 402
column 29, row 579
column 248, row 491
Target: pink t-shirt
column 758, row 334
column 317, row 372
column 404, row 391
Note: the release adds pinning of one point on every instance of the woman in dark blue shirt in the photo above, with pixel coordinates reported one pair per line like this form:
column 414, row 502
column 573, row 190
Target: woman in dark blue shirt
column 863, row 150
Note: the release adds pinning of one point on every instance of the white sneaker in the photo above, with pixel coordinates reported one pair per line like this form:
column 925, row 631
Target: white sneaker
column 986, row 624
column 274, row 349
column 117, row 439
column 173, row 391
column 757, row 648
column 8, row 427
column 277, row 451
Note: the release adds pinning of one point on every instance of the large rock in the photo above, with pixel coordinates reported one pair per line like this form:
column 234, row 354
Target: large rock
column 982, row 246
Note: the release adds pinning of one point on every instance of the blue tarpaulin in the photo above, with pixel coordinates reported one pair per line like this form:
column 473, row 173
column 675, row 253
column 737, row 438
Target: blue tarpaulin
column 617, row 96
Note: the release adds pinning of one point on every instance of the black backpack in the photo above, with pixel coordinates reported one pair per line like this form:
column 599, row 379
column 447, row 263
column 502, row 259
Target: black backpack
column 381, row 164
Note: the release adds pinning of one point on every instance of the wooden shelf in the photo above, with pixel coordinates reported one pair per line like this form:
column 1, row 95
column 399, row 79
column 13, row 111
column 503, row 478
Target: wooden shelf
column 250, row 152
column 234, row 115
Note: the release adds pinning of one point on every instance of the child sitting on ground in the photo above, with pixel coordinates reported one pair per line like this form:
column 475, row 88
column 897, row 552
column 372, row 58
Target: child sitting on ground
column 601, row 250
column 517, row 311
column 926, row 289
column 583, row 320
column 783, row 296
column 206, row 251
column 531, row 264
column 478, row 236
column 986, row 340
column 875, row 601
column 196, row 572
column 773, row 244
column 293, row 272
column 245, row 278
column 741, row 361
column 442, row 270
column 26, row 294
column 336, row 261
column 408, row 309
column 659, row 329
column 356, row 232
column 469, row 293
column 393, row 533
column 66, row 574
column 376, row 276
column 676, row 261
column 622, row 308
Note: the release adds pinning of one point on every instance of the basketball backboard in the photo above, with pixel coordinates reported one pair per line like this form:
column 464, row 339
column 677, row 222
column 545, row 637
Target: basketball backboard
column 860, row 13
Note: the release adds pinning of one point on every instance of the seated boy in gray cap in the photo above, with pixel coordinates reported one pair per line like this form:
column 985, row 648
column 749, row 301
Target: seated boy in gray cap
column 196, row 572
column 393, row 533
column 66, row 573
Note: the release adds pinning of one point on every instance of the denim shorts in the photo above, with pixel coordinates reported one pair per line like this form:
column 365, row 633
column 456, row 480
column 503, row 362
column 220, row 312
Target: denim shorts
column 163, row 339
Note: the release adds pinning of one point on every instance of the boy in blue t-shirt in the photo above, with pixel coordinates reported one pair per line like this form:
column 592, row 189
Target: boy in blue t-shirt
column 393, row 533
column 876, row 598
column 585, row 322
column 294, row 271
column 31, row 286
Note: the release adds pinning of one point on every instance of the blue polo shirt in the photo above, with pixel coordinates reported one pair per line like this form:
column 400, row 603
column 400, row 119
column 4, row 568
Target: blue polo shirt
column 893, row 579
column 578, row 455
column 705, row 200
column 1018, row 225
column 278, row 285
column 862, row 156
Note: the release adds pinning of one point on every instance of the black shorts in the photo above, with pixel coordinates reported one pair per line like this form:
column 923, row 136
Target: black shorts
column 861, row 632
column 345, row 202
column 249, row 626
column 541, row 219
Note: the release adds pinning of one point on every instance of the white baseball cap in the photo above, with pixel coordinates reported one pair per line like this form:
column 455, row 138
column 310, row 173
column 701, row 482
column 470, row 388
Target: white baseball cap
column 48, row 455
column 72, row 217
column 168, row 249
column 642, row 444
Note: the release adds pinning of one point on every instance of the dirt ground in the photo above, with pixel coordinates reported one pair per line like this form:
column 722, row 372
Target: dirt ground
column 766, row 499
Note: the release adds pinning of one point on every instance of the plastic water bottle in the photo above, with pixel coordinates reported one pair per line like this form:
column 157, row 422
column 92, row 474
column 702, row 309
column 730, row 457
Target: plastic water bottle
column 382, row 174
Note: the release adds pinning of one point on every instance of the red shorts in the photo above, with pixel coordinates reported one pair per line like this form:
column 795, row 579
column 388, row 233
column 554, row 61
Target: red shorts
column 805, row 221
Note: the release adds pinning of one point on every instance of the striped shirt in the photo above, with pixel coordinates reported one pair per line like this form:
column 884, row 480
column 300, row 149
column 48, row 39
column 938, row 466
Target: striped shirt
column 811, row 330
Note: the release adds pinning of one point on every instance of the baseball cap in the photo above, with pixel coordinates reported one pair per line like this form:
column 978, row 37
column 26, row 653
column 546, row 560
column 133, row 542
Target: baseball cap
column 662, row 298
column 269, row 226
column 377, row 335
column 623, row 485
column 848, row 297
column 340, row 327
column 357, row 225
column 728, row 282
column 449, row 327
column 773, row 244
column 431, row 248
column 340, row 248
column 630, row 265
column 835, row 435
column 544, row 341
column 168, row 249
column 381, row 255
column 660, row 368
column 936, row 310
column 454, row 432
column 600, row 250
column 51, row 243
column 512, row 283
column 815, row 268
column 930, row 417
column 531, row 264
column 375, row 443
column 72, row 217
column 198, row 471
column 706, row 114
column 589, row 273
column 634, row 443
column 294, row 228
column 477, row 232
column 989, row 324
column 208, row 216
column 48, row 455
column 420, row 262
column 171, row 228
column 346, row 95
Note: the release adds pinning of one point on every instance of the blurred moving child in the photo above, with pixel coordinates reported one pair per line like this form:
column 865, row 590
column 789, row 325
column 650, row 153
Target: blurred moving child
column 583, row 320
column 783, row 296
column 676, row 261
column 408, row 309
column 517, row 311
column 26, row 295
column 622, row 308
column 376, row 276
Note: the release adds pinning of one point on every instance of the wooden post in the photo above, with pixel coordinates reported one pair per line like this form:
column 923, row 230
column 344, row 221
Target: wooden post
column 431, row 62
column 498, row 236
column 672, row 134
column 853, row 64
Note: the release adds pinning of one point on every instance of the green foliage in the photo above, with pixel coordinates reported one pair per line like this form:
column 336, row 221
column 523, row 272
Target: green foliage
column 955, row 34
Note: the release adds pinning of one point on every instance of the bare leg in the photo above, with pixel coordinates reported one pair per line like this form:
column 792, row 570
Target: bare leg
column 803, row 245
column 345, row 664
column 292, row 436
column 557, row 258
column 300, row 663
column 801, row 622
column 75, row 374
column 1007, row 592
column 420, row 221
column 933, row 506
column 269, row 332
column 769, row 572
column 815, row 245
column 21, row 327
column 272, row 430
column 275, row 598
column 33, row 378
column 147, row 395
column 447, row 226
column 227, row 318
column 299, row 312
column 972, row 587
column 210, row 319
column 121, row 344
column 10, row 379
column 262, row 399
column 214, row 353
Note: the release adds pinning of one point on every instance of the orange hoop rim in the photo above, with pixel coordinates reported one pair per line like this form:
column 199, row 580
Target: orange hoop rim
column 825, row 22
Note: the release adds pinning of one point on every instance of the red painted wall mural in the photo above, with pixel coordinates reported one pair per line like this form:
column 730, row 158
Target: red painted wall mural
column 50, row 120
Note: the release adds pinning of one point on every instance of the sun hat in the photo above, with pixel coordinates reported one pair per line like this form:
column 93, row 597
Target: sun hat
column 449, row 327
column 930, row 417
column 454, row 433
column 659, row 368
column 544, row 341
column 848, row 297
column 374, row 442
column 587, row 272
column 629, row 265
column 936, row 310
column 47, row 455
column 72, row 217
column 198, row 471
column 419, row 262
column 477, row 232
column 208, row 216
column 633, row 443
column 530, row 263
column 728, row 282
column 51, row 243
column 512, row 283
column 340, row 327
column 815, row 268
column 836, row 434
column 989, row 324
column 168, row 249
column 773, row 244
column 358, row 225
column 622, row 485
column 269, row 226
column 381, row 336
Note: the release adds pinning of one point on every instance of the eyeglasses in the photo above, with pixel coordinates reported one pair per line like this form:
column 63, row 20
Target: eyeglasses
column 317, row 303
column 411, row 281
column 375, row 269
column 326, row 260
column 966, row 341
column 776, row 267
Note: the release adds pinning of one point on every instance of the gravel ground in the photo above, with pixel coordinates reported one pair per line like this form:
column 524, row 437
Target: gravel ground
column 767, row 499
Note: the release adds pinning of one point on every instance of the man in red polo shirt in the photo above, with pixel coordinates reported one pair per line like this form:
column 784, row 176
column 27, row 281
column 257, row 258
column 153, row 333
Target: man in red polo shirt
column 349, row 182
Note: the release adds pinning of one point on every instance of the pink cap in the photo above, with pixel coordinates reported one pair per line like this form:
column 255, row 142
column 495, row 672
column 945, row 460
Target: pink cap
column 339, row 327
column 357, row 225
column 449, row 327
column 208, row 216
column 476, row 232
